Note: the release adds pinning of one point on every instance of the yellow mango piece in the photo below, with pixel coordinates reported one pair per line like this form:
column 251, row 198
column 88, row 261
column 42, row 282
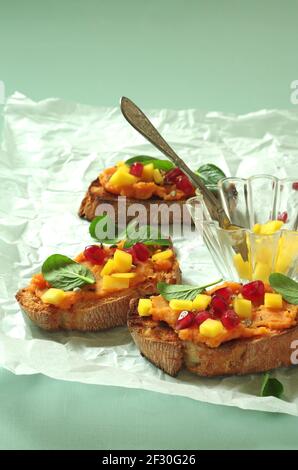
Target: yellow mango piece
column 162, row 255
column 144, row 307
column 264, row 254
column 147, row 174
column 243, row 307
column 273, row 301
column 243, row 267
column 123, row 167
column 261, row 272
column 122, row 261
column 112, row 283
column 122, row 178
column 283, row 263
column 124, row 275
column 201, row 302
column 157, row 176
column 211, row 328
column 180, row 304
column 53, row 296
column 108, row 268
column 256, row 228
column 271, row 227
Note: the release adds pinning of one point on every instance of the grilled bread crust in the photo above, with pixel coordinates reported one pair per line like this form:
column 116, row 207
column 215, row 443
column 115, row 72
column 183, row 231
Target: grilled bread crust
column 161, row 345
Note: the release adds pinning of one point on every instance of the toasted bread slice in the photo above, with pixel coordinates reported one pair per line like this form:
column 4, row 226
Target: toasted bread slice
column 97, row 195
column 107, row 312
column 156, row 341
column 160, row 344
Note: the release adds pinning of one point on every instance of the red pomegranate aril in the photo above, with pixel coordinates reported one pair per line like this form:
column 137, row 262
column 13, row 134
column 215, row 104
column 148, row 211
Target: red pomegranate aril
column 230, row 319
column 184, row 185
column 225, row 292
column 219, row 305
column 94, row 254
column 254, row 291
column 201, row 317
column 132, row 253
column 141, row 251
column 283, row 216
column 136, row 169
column 172, row 175
column 185, row 320
column 295, row 186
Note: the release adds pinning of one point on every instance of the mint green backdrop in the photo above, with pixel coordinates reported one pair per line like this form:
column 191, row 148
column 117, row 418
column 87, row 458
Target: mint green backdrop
column 234, row 56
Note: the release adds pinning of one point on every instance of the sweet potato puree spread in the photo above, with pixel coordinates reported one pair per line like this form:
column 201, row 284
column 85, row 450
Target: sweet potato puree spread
column 144, row 271
column 141, row 189
column 264, row 321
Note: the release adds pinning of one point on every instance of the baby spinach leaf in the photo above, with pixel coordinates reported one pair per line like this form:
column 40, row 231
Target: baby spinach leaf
column 64, row 273
column 100, row 225
column 271, row 387
column 210, row 174
column 157, row 162
column 132, row 234
column 181, row 291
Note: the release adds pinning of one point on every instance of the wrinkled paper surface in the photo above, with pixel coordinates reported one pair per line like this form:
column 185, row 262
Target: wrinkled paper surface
column 51, row 150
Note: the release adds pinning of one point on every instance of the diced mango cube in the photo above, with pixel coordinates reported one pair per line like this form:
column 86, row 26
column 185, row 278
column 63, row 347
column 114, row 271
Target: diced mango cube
column 124, row 275
column 122, row 261
column 144, row 307
column 271, row 227
column 53, row 296
column 147, row 174
column 283, row 263
column 108, row 268
column 243, row 307
column 264, row 254
column 157, row 176
column 180, row 304
column 123, row 167
column 112, row 283
column 201, row 302
column 243, row 267
column 211, row 328
column 162, row 255
column 122, row 178
column 273, row 301
column 256, row 228
column 261, row 272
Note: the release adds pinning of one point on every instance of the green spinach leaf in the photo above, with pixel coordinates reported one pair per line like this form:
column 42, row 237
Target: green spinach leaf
column 210, row 174
column 271, row 387
column 64, row 273
column 181, row 291
column 285, row 286
column 157, row 162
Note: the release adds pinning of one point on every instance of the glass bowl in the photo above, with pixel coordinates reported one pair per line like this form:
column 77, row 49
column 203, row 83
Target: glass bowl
column 244, row 254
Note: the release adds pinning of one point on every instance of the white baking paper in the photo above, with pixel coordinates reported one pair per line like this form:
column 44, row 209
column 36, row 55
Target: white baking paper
column 51, row 150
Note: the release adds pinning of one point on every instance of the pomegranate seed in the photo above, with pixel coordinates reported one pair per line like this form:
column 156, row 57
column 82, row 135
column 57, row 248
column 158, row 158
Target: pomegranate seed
column 254, row 291
column 201, row 317
column 136, row 169
column 283, row 216
column 219, row 305
column 295, row 186
column 172, row 175
column 226, row 293
column 185, row 320
column 184, row 185
column 230, row 319
column 141, row 252
column 95, row 254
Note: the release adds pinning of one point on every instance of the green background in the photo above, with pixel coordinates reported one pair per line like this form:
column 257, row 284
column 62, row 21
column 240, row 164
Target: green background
column 233, row 56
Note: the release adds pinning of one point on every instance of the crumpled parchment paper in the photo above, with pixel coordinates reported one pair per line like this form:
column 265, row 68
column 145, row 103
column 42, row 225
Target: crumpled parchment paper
column 51, row 150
